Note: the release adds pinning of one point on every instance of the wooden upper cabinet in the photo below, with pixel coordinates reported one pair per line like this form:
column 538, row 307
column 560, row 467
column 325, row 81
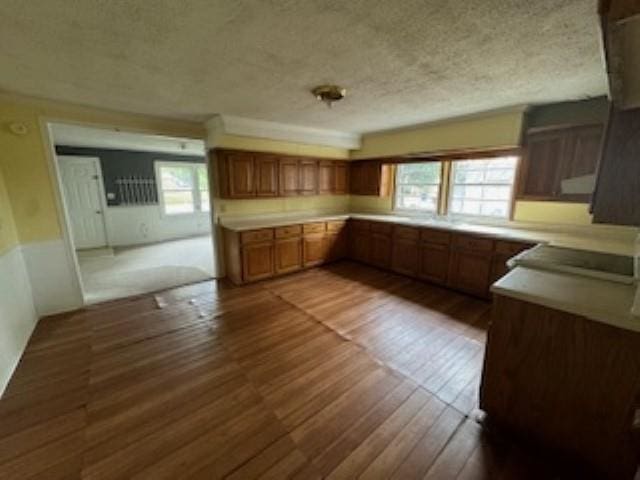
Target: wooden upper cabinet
column 266, row 175
column 558, row 162
column 540, row 172
column 326, row 177
column 289, row 177
column 370, row 177
column 239, row 174
column 308, row 171
column 341, row 178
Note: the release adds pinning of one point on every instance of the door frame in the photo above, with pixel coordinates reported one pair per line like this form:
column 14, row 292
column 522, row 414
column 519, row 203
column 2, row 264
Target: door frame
column 101, row 191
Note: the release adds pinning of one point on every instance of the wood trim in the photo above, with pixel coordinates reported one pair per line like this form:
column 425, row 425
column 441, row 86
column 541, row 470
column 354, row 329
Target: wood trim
column 562, row 126
column 446, row 155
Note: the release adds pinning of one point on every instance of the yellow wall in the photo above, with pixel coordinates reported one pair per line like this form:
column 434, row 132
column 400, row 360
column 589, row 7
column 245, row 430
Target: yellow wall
column 8, row 234
column 278, row 146
column 552, row 212
column 23, row 158
column 499, row 130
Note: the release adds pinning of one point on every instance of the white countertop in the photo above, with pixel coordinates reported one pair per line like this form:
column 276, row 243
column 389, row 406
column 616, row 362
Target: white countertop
column 571, row 238
column 599, row 300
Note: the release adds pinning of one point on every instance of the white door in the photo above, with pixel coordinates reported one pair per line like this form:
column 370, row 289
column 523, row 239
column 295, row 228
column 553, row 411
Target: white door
column 81, row 177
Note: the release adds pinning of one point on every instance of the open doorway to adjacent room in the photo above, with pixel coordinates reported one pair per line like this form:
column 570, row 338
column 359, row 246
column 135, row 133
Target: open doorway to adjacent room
column 137, row 209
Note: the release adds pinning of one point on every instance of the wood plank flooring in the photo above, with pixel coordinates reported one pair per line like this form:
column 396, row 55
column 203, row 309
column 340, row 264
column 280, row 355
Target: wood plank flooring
column 337, row 372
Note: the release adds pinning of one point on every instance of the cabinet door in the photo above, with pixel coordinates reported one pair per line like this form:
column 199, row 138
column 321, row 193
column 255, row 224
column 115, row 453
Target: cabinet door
column 356, row 178
column 380, row 254
column 308, row 183
column 405, row 256
column 371, row 178
column 470, row 272
column 313, row 249
column 289, row 177
column 240, row 175
column 266, row 176
column 341, row 182
column 336, row 244
column 257, row 261
column 359, row 245
column 541, row 165
column 581, row 158
column 434, row 262
column 326, row 177
column 288, row 255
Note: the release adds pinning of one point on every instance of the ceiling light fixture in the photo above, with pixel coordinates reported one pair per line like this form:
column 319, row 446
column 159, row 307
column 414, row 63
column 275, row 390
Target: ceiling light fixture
column 329, row 93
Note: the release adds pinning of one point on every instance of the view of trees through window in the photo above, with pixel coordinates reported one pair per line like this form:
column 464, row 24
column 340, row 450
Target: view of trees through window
column 418, row 186
column 184, row 187
column 481, row 187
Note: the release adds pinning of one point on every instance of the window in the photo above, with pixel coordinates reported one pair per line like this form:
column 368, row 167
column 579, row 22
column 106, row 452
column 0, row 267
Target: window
column 183, row 187
column 418, row 186
column 482, row 187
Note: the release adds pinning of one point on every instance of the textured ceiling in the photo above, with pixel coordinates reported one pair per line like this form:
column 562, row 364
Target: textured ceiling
column 403, row 62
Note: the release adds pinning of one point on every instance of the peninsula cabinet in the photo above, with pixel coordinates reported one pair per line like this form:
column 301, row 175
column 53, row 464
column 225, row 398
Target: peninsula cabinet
column 566, row 382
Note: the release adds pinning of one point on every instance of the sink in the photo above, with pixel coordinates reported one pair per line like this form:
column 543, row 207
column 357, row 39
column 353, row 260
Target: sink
column 604, row 266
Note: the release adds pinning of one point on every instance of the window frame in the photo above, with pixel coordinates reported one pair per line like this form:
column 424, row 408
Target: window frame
column 195, row 189
column 445, row 190
column 419, row 212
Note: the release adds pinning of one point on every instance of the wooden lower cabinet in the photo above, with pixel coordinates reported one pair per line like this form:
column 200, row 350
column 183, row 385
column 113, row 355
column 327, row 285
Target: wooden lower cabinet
column 433, row 262
column 565, row 382
column 405, row 256
column 380, row 250
column 336, row 245
column 257, row 261
column 313, row 249
column 470, row 272
column 288, row 255
column 359, row 245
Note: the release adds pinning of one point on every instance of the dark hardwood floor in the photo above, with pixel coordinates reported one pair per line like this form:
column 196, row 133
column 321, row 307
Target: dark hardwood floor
column 340, row 372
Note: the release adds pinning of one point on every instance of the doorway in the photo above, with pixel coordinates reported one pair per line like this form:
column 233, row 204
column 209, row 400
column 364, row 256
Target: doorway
column 137, row 209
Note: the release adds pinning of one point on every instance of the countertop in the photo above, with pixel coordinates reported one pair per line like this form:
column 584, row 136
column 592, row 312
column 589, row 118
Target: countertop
column 573, row 237
column 599, row 300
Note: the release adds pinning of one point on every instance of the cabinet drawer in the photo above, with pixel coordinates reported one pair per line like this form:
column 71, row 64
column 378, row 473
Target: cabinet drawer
column 380, row 227
column 510, row 248
column 406, row 233
column 256, row 235
column 289, row 231
column 318, row 227
column 474, row 244
column 359, row 225
column 435, row 236
column 336, row 226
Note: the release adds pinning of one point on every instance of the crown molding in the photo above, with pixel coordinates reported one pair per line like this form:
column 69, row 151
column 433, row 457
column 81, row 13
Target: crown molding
column 227, row 124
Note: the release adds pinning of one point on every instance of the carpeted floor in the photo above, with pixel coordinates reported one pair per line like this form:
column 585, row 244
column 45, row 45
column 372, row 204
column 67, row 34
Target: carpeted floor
column 122, row 272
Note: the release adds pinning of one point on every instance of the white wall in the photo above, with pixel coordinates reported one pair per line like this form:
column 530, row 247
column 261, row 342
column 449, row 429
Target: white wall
column 147, row 224
column 17, row 312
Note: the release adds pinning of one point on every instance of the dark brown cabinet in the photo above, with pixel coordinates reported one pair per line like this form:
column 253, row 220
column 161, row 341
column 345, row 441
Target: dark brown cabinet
column 370, row 177
column 554, row 156
column 503, row 251
column 470, row 264
column 359, row 236
column 380, row 250
column 336, row 240
column 405, row 254
column 434, row 262
column 341, row 178
column 257, row 261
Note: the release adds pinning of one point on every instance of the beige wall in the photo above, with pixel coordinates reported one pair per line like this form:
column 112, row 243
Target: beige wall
column 498, row 130
column 23, row 158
